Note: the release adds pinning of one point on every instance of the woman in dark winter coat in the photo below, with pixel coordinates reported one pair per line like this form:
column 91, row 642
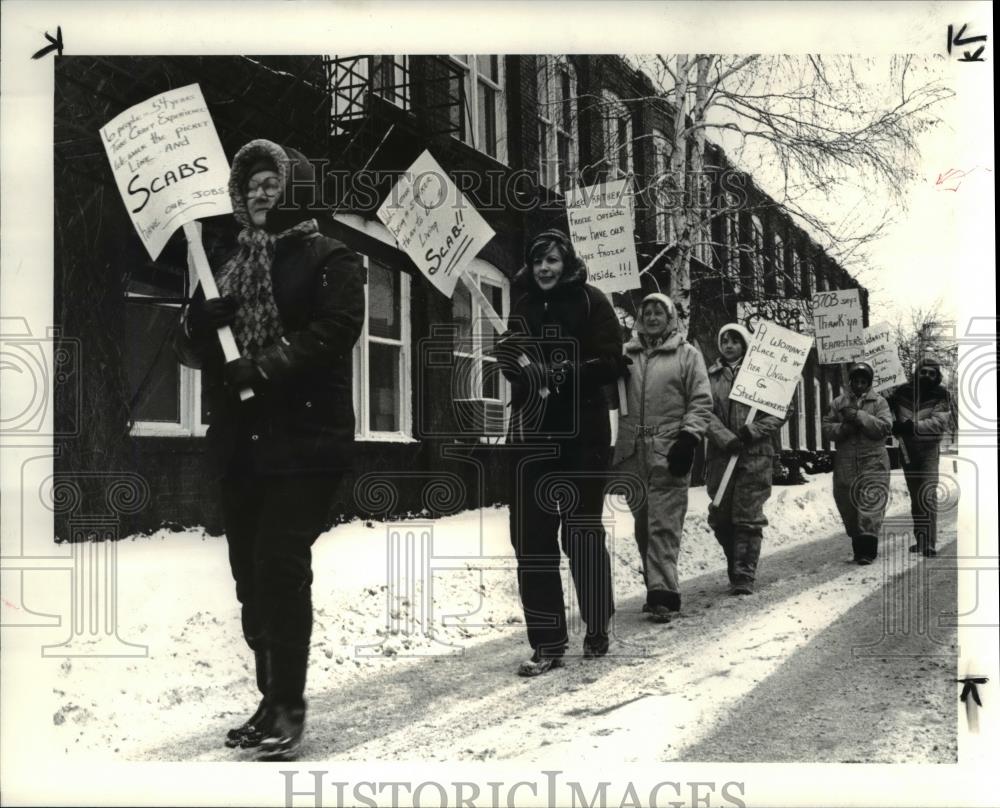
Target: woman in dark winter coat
column 563, row 344
column 859, row 422
column 739, row 521
column 669, row 403
column 295, row 302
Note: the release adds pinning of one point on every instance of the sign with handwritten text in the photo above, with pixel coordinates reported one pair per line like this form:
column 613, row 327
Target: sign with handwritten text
column 434, row 223
column 771, row 368
column 600, row 226
column 168, row 164
column 840, row 335
column 786, row 312
column 881, row 353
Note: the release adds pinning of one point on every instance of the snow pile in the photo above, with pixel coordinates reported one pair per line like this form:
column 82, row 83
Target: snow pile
column 455, row 586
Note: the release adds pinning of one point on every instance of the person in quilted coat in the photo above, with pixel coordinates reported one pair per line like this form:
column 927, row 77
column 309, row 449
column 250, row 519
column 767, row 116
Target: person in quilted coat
column 739, row 521
column 669, row 403
column 858, row 422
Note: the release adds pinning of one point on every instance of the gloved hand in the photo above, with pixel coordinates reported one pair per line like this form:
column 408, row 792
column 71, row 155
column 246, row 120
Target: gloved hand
column 734, row 446
column 205, row 316
column 681, row 455
column 624, row 366
column 903, row 428
column 745, row 434
column 242, row 373
column 849, row 414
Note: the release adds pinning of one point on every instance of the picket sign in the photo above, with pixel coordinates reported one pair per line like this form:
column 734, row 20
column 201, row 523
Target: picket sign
column 196, row 256
column 170, row 169
column 730, row 467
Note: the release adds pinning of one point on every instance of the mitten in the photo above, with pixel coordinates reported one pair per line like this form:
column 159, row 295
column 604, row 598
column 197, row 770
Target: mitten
column 734, row 446
column 745, row 434
column 681, row 455
column 903, row 428
column 205, row 316
column 242, row 373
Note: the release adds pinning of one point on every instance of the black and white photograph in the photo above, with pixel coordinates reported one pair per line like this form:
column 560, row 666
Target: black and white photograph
column 592, row 417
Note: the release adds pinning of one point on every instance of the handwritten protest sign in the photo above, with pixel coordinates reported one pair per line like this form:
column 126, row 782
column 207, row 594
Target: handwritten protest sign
column 839, row 331
column 433, row 223
column 881, row 353
column 168, row 164
column 771, row 368
column 789, row 313
column 600, row 225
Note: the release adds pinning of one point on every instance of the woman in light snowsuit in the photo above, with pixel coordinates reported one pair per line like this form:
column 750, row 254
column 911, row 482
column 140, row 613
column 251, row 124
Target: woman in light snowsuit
column 563, row 339
column 295, row 301
column 739, row 521
column 858, row 422
column 669, row 403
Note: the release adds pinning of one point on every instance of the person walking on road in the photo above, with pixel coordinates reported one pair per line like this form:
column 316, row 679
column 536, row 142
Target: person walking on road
column 739, row 521
column 562, row 345
column 295, row 302
column 858, row 422
column 922, row 417
column 669, row 405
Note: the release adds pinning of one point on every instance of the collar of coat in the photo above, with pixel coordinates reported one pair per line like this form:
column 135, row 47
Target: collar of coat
column 671, row 343
column 718, row 366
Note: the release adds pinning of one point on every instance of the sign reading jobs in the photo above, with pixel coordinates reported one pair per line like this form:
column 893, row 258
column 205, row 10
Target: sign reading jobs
column 840, row 334
column 771, row 368
column 433, row 223
column 882, row 355
column 600, row 226
column 168, row 164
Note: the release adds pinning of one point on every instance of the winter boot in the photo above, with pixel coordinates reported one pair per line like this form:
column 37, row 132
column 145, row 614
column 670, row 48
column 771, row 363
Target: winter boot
column 673, row 601
column 596, row 644
column 285, row 736
column 539, row 664
column 286, row 688
column 866, row 549
column 251, row 731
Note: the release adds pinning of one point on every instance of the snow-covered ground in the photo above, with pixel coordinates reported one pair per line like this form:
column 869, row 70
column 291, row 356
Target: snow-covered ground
column 175, row 596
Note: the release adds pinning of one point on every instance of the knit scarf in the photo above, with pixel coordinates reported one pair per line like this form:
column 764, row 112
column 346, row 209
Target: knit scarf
column 247, row 277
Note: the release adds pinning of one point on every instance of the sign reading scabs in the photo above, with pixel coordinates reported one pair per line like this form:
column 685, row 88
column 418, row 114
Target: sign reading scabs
column 771, row 368
column 881, row 353
column 433, row 223
column 840, row 334
column 168, row 164
column 600, row 226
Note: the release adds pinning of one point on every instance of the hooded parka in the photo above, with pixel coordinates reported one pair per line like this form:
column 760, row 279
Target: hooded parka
column 861, row 463
column 567, row 341
column 667, row 394
column 923, row 416
column 739, row 521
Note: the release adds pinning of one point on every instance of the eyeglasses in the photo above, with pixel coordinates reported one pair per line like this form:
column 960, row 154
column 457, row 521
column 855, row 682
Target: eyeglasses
column 271, row 187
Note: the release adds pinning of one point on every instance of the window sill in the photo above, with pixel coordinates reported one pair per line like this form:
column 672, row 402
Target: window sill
column 385, row 437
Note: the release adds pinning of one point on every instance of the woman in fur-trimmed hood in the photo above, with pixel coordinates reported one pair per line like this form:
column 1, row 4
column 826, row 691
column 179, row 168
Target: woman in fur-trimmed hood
column 739, row 521
column 562, row 345
column 295, row 302
column 669, row 403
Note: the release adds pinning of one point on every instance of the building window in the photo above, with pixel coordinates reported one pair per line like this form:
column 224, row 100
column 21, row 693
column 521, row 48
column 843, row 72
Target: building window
column 664, row 187
column 793, row 277
column 617, row 136
column 382, row 358
column 804, row 269
column 165, row 396
column 732, row 219
column 557, row 123
column 483, row 122
column 754, row 265
column 478, row 387
column 389, row 79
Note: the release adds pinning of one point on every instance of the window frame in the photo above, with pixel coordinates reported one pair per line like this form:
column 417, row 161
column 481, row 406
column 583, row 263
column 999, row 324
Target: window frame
column 662, row 224
column 613, row 114
column 553, row 110
column 472, row 79
column 362, row 376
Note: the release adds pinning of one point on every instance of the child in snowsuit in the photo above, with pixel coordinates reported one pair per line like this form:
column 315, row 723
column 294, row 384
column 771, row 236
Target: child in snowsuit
column 859, row 422
column 739, row 520
column 669, row 402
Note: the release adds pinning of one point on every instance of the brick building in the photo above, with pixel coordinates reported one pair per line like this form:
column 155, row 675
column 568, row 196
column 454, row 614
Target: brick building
column 514, row 133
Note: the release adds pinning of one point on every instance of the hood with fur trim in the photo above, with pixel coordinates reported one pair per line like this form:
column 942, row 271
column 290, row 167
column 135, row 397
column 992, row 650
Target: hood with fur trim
column 300, row 191
column 929, row 362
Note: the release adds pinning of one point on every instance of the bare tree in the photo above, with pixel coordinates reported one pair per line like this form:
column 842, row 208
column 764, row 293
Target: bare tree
column 829, row 127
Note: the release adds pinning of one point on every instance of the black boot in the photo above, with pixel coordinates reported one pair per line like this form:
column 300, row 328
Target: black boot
column 250, row 733
column 286, row 689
